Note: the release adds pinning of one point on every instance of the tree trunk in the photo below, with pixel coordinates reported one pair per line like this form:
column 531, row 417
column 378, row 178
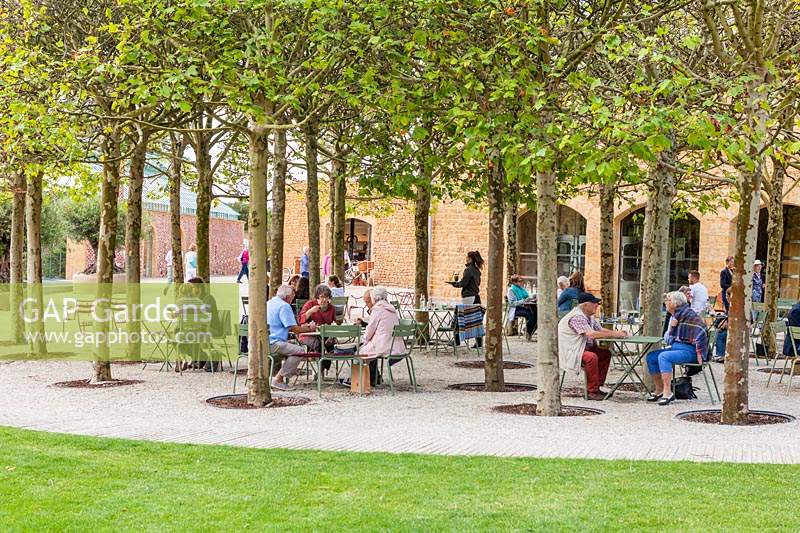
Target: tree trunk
column 735, row 404
column 549, row 402
column 17, row 267
column 774, row 249
column 607, row 248
column 202, row 147
column 312, row 204
column 493, row 368
column 258, row 391
column 107, row 244
column 735, row 401
column 33, row 212
column 133, row 237
column 178, row 147
column 655, row 248
column 339, row 211
column 422, row 207
column 512, row 248
column 279, row 169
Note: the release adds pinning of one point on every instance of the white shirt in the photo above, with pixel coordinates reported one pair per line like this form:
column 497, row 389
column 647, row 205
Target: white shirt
column 168, row 257
column 699, row 297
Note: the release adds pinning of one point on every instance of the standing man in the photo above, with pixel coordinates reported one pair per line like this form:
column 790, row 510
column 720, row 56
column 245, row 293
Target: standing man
column 304, row 271
column 758, row 282
column 244, row 259
column 726, row 280
column 699, row 293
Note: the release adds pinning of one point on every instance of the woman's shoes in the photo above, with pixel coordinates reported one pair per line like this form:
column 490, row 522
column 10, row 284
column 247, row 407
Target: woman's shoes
column 666, row 401
column 654, row 397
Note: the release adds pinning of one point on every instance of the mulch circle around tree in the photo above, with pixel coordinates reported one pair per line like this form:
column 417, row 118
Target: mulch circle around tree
column 481, row 387
column 480, row 363
column 529, row 409
column 126, row 363
column 755, row 418
column 87, row 384
column 239, row 401
column 778, row 371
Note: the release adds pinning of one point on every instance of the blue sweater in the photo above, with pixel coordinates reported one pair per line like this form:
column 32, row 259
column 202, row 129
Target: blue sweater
column 565, row 300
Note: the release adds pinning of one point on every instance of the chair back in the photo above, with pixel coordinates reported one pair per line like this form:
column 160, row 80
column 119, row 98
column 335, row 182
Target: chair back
column 335, row 331
column 340, row 304
column 794, row 337
column 409, row 335
column 712, row 341
column 408, row 322
column 298, row 305
column 573, row 303
column 225, row 323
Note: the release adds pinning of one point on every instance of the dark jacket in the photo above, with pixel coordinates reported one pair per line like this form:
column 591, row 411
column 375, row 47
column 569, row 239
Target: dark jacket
column 725, row 279
column 470, row 282
column 793, row 320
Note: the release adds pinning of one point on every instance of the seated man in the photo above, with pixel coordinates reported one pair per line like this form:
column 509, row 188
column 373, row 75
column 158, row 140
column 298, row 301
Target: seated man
column 369, row 303
column 577, row 332
column 281, row 321
column 792, row 320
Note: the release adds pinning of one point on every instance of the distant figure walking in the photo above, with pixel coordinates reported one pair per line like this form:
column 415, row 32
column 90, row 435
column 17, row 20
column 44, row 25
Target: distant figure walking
column 190, row 270
column 244, row 259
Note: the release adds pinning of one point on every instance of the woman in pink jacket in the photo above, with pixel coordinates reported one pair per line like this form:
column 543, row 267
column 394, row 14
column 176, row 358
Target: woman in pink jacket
column 378, row 339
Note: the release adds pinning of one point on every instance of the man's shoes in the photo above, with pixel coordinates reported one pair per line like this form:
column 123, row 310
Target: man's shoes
column 344, row 382
column 718, row 359
column 654, row 397
column 597, row 396
column 280, row 385
column 238, row 281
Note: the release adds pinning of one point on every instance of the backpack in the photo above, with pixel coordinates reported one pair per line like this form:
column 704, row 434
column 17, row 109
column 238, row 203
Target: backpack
column 682, row 387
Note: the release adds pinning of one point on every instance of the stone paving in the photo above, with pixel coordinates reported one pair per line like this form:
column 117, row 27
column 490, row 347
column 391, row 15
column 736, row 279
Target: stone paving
column 170, row 407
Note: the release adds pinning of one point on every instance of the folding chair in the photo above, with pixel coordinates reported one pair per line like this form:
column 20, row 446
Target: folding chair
column 331, row 331
column 340, row 304
column 793, row 334
column 583, row 380
column 706, row 367
column 756, row 329
column 408, row 333
column 777, row 328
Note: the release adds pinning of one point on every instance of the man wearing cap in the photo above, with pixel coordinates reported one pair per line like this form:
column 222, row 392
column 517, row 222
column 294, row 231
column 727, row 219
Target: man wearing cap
column 758, row 282
column 577, row 332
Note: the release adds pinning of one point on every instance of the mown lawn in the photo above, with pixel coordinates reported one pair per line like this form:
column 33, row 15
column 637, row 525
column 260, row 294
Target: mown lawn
column 61, row 482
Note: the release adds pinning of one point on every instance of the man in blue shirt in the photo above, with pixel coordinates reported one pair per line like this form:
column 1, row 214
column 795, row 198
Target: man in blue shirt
column 281, row 321
column 304, row 270
column 792, row 320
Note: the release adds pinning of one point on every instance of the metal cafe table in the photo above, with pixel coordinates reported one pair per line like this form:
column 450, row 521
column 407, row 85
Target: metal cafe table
column 639, row 346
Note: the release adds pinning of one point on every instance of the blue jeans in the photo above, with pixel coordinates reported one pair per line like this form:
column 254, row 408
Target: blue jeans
column 662, row 361
column 722, row 339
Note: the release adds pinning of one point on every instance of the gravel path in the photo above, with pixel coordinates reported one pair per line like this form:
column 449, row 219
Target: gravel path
column 171, row 408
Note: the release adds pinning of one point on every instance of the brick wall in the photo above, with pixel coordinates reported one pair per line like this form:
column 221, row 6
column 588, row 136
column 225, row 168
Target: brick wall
column 226, row 239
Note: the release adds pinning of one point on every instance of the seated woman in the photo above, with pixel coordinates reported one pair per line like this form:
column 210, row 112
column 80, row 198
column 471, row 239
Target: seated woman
column 688, row 344
column 335, row 284
column 318, row 312
column 792, row 320
column 303, row 291
column 563, row 283
column 378, row 339
column 516, row 295
column 571, row 293
column 294, row 283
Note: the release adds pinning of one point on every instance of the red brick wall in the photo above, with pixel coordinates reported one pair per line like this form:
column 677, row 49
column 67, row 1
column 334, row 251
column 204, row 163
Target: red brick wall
column 226, row 238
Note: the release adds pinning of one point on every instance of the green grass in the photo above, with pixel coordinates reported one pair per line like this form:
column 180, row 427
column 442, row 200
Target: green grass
column 60, row 482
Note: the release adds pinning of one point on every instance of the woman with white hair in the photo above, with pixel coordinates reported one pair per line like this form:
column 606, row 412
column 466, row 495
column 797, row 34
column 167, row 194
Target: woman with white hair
column 687, row 342
column 378, row 339
column 563, row 283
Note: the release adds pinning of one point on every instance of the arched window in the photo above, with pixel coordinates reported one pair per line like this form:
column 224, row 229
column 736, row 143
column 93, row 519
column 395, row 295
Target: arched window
column 790, row 250
column 358, row 239
column 683, row 255
column 571, row 243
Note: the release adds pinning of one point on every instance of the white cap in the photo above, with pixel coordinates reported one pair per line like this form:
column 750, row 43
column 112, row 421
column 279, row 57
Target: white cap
column 757, row 262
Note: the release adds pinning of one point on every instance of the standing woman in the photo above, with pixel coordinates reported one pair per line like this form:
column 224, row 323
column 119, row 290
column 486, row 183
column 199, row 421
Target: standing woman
column 470, row 282
column 190, row 270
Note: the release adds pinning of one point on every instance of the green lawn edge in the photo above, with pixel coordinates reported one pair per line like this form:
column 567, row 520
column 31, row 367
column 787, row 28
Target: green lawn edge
column 51, row 481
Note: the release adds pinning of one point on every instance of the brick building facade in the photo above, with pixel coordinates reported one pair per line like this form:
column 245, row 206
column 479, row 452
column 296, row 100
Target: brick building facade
column 225, row 229
column 699, row 241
